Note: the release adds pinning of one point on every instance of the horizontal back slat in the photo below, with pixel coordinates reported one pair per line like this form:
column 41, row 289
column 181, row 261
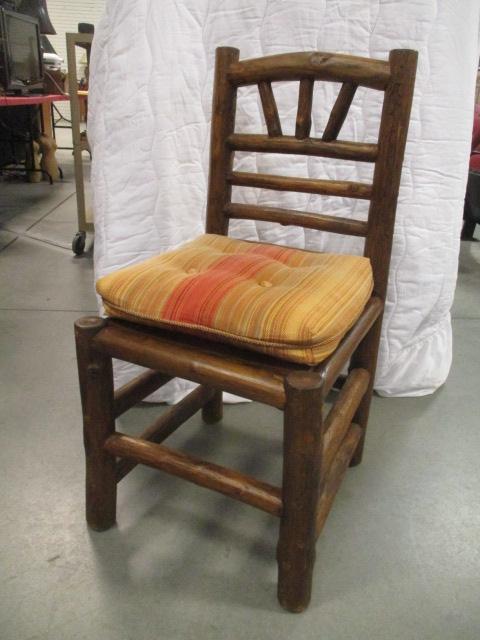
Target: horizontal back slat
column 395, row 77
column 311, row 64
column 342, row 188
column 343, row 150
column 316, row 221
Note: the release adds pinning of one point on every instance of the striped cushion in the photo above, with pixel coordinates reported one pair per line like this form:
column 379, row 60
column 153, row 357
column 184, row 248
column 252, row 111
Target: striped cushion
column 292, row 304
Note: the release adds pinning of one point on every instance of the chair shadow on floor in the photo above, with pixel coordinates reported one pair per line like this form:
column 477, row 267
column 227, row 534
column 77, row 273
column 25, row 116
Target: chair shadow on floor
column 180, row 541
column 197, row 519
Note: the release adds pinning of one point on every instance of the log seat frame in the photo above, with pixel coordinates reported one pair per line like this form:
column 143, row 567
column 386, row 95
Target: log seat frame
column 317, row 449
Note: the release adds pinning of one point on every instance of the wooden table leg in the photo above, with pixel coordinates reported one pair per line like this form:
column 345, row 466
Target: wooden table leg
column 47, row 123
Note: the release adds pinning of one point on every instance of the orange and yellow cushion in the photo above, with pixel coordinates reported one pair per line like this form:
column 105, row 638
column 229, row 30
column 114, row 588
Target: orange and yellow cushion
column 289, row 303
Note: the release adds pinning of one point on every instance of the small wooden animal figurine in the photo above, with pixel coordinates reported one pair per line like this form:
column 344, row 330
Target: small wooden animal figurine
column 34, row 172
column 48, row 146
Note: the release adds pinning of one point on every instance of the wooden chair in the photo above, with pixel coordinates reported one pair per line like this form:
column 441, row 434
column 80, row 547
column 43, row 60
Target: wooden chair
column 317, row 449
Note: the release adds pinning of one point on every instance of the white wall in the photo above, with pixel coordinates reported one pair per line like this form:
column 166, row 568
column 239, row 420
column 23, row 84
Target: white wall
column 65, row 16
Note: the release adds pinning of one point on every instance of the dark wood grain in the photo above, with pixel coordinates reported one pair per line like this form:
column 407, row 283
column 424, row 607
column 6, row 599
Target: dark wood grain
column 270, row 111
column 388, row 168
column 333, row 224
column 221, row 155
column 381, row 216
column 340, row 416
column 336, row 474
column 341, row 188
column 331, row 368
column 168, row 423
column 339, row 111
column 213, row 410
column 302, row 451
column 315, row 455
column 206, row 474
column 315, row 65
column 339, row 382
column 138, row 389
column 366, row 356
column 304, row 112
column 180, row 358
column 96, row 390
column 341, row 149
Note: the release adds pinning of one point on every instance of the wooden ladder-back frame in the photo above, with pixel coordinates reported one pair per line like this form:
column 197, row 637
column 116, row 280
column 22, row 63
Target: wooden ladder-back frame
column 395, row 77
column 317, row 449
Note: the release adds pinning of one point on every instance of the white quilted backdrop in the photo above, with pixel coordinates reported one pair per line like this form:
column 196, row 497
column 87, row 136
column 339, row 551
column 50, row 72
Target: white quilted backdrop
column 150, row 97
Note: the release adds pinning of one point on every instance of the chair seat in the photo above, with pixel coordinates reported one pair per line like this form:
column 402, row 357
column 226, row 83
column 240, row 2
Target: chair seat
column 289, row 303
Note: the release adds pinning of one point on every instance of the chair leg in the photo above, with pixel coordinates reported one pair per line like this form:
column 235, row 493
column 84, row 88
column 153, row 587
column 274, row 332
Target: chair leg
column 365, row 357
column 212, row 411
column 96, row 388
column 302, row 449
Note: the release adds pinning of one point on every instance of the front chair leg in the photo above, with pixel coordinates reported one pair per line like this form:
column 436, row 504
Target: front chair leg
column 212, row 411
column 96, row 388
column 302, row 449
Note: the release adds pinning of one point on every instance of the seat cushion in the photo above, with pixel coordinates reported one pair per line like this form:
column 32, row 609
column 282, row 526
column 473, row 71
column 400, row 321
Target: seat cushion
column 289, row 303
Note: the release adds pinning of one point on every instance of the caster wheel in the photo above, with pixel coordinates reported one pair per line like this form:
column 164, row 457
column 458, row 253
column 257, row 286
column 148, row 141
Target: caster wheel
column 78, row 243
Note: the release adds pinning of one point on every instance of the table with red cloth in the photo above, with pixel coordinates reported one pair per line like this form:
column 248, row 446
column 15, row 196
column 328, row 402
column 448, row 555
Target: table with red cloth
column 44, row 101
column 40, row 120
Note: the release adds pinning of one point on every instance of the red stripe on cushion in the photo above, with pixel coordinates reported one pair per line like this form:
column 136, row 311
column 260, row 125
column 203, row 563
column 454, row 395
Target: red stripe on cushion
column 197, row 298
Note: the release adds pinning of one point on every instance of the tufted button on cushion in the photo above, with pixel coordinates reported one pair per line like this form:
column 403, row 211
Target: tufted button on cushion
column 304, row 305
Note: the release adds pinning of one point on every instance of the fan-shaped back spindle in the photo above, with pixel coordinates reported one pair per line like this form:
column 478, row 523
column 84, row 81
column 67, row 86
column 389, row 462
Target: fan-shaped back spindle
column 395, row 78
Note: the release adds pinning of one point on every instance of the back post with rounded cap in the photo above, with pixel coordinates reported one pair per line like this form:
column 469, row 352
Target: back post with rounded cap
column 318, row 446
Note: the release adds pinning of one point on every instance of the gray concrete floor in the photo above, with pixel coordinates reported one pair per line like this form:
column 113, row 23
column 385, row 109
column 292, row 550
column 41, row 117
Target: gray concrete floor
column 399, row 556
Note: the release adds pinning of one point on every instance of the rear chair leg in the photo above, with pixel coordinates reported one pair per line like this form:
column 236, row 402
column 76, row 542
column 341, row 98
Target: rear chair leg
column 302, row 449
column 96, row 388
column 365, row 357
column 212, row 411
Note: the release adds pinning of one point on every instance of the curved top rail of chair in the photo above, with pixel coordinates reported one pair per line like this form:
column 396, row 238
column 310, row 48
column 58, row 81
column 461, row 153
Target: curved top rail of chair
column 316, row 65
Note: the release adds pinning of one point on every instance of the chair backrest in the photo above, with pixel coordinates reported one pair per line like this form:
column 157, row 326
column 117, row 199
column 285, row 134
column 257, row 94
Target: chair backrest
column 395, row 78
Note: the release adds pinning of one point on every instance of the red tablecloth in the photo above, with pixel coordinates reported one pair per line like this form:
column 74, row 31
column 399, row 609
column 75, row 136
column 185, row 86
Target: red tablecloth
column 13, row 101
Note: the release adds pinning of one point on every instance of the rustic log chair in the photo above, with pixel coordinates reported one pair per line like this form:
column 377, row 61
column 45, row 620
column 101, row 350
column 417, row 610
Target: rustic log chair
column 316, row 450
